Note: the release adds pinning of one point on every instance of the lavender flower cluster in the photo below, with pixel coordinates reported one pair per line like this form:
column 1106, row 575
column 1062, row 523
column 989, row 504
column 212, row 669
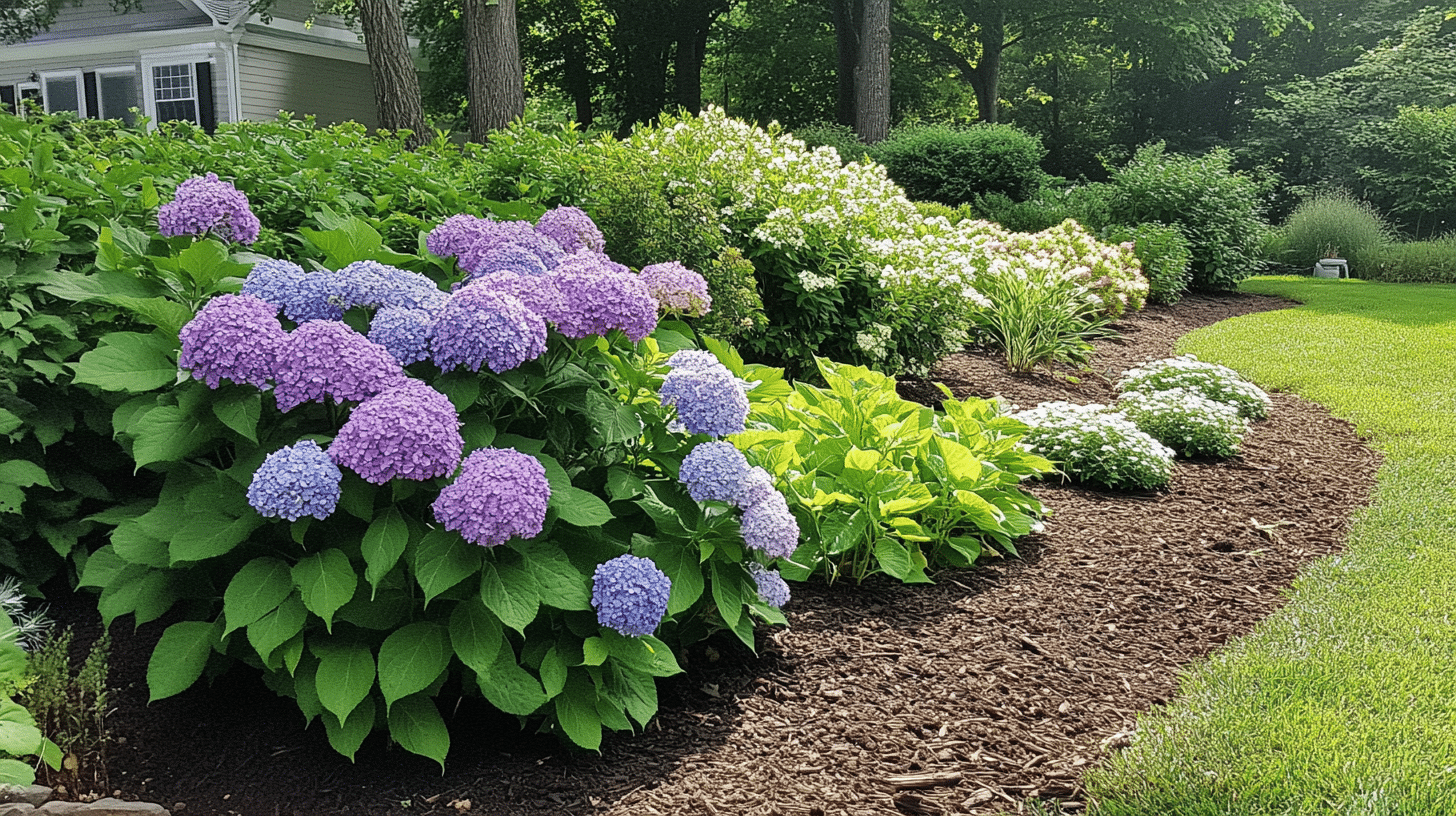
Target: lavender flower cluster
column 206, row 205
column 500, row 494
column 630, row 595
column 296, row 481
column 708, row 398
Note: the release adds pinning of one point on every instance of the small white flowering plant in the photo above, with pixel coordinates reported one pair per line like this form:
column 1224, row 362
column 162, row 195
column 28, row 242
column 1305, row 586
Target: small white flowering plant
column 1213, row 381
column 1186, row 421
column 1097, row 445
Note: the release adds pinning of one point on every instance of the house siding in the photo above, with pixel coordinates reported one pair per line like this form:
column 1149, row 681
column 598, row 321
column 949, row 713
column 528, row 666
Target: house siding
column 333, row 90
column 94, row 18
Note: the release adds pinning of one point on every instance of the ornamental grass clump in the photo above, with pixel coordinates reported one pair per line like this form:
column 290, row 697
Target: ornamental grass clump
column 1186, row 421
column 394, row 474
column 1096, row 445
column 1215, row 382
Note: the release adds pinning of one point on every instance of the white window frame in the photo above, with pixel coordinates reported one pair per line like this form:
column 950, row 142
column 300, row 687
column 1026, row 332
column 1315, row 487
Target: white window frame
column 20, row 89
column 74, row 74
column 114, row 70
column 173, row 56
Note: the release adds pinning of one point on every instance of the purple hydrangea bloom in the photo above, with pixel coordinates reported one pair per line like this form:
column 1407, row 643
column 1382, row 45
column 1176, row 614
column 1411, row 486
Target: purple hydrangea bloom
column 770, row 528
column 404, row 333
column 326, row 358
column 480, row 326
column 714, row 470
column 498, row 494
column 373, row 284
column 602, row 301
column 757, row 486
column 709, row 401
column 538, row 293
column 204, row 205
column 410, row 431
column 572, row 229
column 485, row 237
column 315, row 296
column 678, row 290
column 772, row 588
column 296, row 481
column 694, row 360
column 234, row 337
column 587, row 262
column 273, row 280
column 630, row 595
column 454, row 235
column 510, row 257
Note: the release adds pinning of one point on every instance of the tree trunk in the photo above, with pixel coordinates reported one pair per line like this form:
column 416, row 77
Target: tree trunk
column 396, row 84
column 986, row 81
column 495, row 86
column 846, row 50
column 687, row 69
column 579, row 83
column 872, row 74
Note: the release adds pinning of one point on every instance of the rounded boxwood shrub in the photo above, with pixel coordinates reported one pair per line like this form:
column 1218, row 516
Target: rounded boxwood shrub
column 954, row 165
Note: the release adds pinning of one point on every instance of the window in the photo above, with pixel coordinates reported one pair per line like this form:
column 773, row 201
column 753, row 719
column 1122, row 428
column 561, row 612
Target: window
column 117, row 94
column 62, row 92
column 175, row 89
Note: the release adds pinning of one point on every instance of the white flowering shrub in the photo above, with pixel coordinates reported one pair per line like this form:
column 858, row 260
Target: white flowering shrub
column 1216, row 382
column 1186, row 421
column 1096, row 445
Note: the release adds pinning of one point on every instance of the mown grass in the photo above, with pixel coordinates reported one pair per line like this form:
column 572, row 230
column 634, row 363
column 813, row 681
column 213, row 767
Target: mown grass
column 1344, row 701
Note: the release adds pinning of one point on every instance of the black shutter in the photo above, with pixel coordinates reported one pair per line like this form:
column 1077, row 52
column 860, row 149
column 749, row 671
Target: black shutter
column 7, row 98
column 93, row 99
column 206, row 105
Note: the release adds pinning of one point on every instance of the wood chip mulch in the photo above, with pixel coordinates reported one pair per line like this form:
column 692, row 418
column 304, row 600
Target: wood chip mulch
column 995, row 686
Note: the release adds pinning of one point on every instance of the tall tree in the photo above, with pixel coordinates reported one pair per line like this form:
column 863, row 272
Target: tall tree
column 872, row 73
column 661, row 46
column 495, row 86
column 396, row 83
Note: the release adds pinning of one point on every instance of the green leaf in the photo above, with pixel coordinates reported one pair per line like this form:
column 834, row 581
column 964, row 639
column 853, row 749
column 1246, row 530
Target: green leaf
column 553, row 672
column 165, row 433
column 475, row 635
column 645, row 654
column 345, row 676
column 510, row 592
column 411, row 658
column 728, row 592
column 576, row 711
column 23, row 473
column 206, row 263
column 346, row 737
column 462, row 388
column 635, row 690
column 384, row 542
column 443, row 559
column 577, row 506
column 179, row 657
column 594, row 651
column 240, row 410
column 511, row 688
column 277, row 627
column 129, row 362
column 167, row 315
column 893, row 558
column 842, row 533
column 326, row 580
column 560, row 583
column 144, row 592
column 15, row 772
column 680, row 564
column 257, row 589
column 102, row 568
column 416, row 725
column 611, row 420
column 208, row 536
column 9, row 422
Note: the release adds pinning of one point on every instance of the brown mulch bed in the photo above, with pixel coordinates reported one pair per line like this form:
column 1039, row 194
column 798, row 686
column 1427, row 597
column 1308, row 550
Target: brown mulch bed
column 1001, row 684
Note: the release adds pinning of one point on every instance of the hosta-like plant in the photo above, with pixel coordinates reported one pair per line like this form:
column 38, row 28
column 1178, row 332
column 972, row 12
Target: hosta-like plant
column 1186, row 421
column 376, row 489
column 881, row 484
column 1097, row 445
column 1213, row 381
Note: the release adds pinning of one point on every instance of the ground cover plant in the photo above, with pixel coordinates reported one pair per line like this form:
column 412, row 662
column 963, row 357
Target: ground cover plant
column 884, row 485
column 1339, row 702
column 1097, row 445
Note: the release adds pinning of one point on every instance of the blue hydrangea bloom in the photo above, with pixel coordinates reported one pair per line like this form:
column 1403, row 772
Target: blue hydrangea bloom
column 480, row 326
column 296, row 481
column 234, row 337
column 630, row 595
column 571, row 229
column 772, row 588
column 410, row 431
column 714, row 470
column 273, row 280
column 601, row 301
column 205, row 205
column 770, row 528
column 403, row 332
column 315, row 296
column 709, row 401
column 508, row 257
column 500, row 494
column 539, row 293
column 694, row 360
column 324, row 358
column 678, row 290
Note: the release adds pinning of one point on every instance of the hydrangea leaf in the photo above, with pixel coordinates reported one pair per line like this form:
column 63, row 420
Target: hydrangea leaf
column 9, row 422
column 240, row 409
column 635, row 691
column 144, row 592
column 102, row 568
column 553, row 672
column 207, row 263
column 179, row 657
column 305, row 688
column 511, row 688
column 346, row 737
column 255, row 590
column 167, row 315
column 594, row 651
column 384, row 542
column 277, row 627
column 682, row 567
column 443, row 559
column 23, row 473
column 475, row 635
column 129, row 362
column 510, row 591
column 416, row 725
column 132, row 543
column 15, row 772
column 645, row 654
column 577, row 506
column 576, row 712
column 462, row 388
column 207, row 536
column 411, row 658
column 326, row 581
column 561, row 584
column 612, row 421
column 345, row 676
column 728, row 592
column 166, row 433
column 893, row 558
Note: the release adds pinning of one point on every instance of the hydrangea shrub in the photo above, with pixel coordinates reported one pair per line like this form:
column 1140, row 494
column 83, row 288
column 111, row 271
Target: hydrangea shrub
column 383, row 475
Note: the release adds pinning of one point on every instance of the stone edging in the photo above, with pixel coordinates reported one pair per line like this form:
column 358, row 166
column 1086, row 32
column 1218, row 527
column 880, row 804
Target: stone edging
column 36, row 800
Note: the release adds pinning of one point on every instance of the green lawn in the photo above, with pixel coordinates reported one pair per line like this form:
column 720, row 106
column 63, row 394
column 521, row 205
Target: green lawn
column 1344, row 701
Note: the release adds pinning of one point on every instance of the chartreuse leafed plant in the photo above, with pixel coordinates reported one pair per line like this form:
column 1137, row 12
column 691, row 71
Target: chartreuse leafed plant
column 376, row 491
column 1340, row 702
column 1097, row 445
column 883, row 485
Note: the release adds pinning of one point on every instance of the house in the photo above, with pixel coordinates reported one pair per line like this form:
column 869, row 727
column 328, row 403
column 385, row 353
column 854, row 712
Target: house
column 206, row 61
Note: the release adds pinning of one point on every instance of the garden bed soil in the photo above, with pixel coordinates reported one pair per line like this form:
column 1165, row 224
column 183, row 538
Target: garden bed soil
column 994, row 686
